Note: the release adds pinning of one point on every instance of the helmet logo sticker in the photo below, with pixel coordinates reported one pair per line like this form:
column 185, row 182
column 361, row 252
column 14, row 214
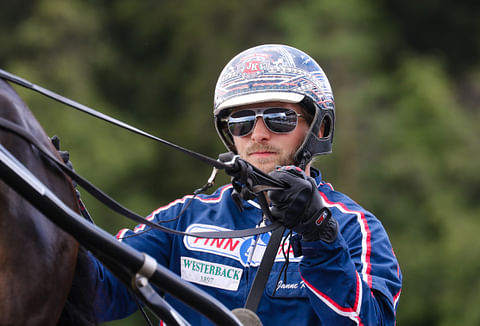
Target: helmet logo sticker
column 251, row 67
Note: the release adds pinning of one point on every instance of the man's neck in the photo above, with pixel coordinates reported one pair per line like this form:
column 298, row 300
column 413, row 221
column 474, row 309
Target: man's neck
column 307, row 170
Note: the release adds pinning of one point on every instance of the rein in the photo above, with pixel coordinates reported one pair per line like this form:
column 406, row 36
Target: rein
column 231, row 169
column 247, row 180
column 117, row 207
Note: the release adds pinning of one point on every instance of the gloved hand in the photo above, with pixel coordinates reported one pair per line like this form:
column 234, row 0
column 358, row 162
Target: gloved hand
column 300, row 207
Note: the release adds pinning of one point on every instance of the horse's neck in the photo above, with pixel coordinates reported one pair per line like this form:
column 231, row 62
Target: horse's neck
column 37, row 258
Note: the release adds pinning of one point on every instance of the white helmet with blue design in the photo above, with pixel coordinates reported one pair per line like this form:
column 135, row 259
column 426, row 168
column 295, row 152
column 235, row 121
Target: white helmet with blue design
column 282, row 73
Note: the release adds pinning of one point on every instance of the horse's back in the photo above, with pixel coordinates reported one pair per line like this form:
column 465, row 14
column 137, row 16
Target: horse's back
column 37, row 259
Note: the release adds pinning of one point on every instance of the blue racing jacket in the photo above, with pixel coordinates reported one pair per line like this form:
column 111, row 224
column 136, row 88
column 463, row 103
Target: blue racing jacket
column 356, row 280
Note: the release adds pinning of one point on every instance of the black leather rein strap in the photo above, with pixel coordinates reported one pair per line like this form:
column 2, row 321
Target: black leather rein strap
column 268, row 259
column 115, row 206
column 264, row 269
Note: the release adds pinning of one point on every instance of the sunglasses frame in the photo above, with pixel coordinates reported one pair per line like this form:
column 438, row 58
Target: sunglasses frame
column 259, row 112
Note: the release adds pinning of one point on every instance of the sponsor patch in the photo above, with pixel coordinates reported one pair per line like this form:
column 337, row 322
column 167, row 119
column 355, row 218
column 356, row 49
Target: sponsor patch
column 210, row 274
column 248, row 251
column 223, row 247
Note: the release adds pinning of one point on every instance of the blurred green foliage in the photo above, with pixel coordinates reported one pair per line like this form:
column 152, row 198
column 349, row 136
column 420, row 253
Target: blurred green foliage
column 406, row 78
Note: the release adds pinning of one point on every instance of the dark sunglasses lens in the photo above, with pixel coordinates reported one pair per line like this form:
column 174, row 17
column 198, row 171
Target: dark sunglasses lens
column 241, row 123
column 280, row 120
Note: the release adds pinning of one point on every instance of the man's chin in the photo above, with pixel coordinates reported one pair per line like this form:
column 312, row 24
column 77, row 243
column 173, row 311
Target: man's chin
column 265, row 167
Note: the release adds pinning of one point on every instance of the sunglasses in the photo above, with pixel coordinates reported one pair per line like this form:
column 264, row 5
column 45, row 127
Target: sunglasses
column 277, row 120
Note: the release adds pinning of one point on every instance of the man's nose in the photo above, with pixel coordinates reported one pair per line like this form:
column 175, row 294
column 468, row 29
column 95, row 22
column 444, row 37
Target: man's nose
column 260, row 132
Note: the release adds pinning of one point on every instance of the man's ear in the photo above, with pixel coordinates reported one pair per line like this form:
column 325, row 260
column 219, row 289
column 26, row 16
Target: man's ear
column 321, row 132
column 326, row 127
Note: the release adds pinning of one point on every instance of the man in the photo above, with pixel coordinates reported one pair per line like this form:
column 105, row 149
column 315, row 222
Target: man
column 274, row 107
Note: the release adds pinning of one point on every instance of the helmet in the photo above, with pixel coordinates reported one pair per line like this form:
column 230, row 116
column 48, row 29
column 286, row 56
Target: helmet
column 282, row 73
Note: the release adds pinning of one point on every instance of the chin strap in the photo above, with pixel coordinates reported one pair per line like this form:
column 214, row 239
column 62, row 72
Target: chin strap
column 303, row 159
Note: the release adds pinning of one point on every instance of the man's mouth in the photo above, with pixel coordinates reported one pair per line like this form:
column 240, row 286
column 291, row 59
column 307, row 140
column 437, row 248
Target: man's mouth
column 261, row 153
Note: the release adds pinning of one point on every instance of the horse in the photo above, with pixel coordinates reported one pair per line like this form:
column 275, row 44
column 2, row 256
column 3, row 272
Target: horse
column 41, row 266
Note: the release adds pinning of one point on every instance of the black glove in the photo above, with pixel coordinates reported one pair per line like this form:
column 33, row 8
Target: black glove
column 300, row 207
